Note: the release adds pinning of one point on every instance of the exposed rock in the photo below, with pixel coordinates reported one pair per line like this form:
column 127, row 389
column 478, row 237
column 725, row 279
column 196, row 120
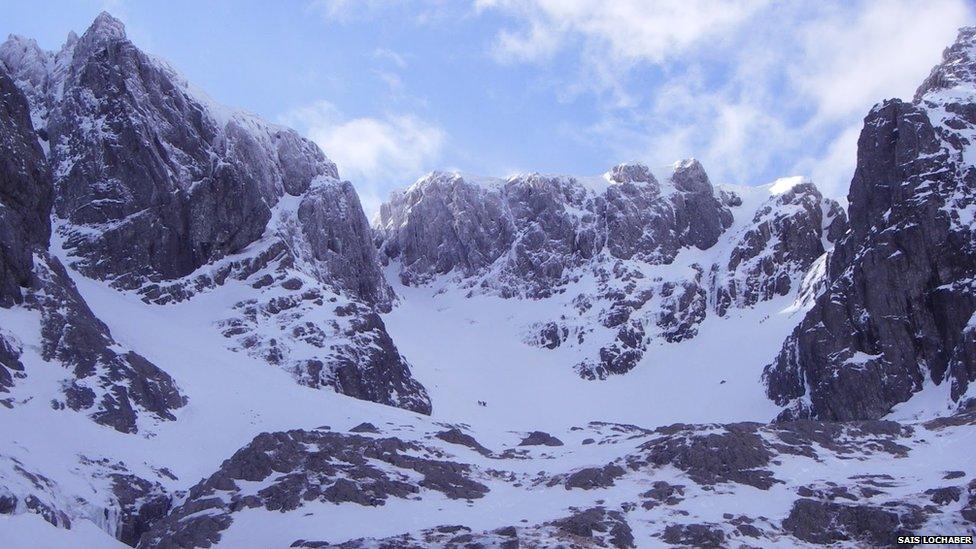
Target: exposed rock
column 825, row 523
column 154, row 181
column 786, row 236
column 898, row 296
column 341, row 242
column 695, row 535
column 540, row 438
column 115, row 386
column 142, row 504
column 537, row 228
column 25, row 194
column 456, row 436
column 599, row 524
column 662, row 493
column 535, row 236
column 296, row 467
column 594, row 477
column 157, row 195
column 594, row 527
column 736, row 455
column 351, row 352
column 944, row 496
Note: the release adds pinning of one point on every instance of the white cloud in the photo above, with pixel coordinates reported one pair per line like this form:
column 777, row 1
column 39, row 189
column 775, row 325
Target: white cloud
column 883, row 50
column 746, row 86
column 834, row 168
column 628, row 29
column 373, row 153
column 393, row 57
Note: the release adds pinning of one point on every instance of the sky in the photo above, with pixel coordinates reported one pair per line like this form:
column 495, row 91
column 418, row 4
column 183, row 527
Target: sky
column 392, row 89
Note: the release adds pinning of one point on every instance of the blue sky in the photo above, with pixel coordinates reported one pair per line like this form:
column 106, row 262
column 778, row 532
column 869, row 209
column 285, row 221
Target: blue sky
column 395, row 88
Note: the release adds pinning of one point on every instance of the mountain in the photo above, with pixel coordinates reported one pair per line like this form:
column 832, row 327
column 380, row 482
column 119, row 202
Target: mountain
column 187, row 195
column 896, row 316
column 204, row 342
column 621, row 261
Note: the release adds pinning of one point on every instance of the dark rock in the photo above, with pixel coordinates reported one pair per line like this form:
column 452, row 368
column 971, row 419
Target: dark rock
column 897, row 301
column 142, row 504
column 737, row 455
column 154, row 181
column 663, row 492
column 786, row 236
column 539, row 438
column 695, row 535
column 944, row 496
column 824, row 522
column 456, row 436
column 595, row 521
column 299, row 464
column 594, row 477
column 171, row 189
column 25, row 193
column 73, row 337
column 341, row 242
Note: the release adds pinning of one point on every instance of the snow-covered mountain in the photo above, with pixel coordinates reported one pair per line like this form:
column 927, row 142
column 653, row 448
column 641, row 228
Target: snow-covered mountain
column 618, row 262
column 161, row 192
column 897, row 313
column 204, row 342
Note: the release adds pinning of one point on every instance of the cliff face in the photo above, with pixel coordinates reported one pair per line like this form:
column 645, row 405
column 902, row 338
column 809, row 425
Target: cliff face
column 532, row 230
column 160, row 191
column 896, row 313
column 113, row 385
column 25, row 193
column 152, row 179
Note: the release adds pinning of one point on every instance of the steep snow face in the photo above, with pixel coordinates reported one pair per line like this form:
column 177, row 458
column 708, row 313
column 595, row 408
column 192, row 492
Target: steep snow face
column 616, row 265
column 895, row 314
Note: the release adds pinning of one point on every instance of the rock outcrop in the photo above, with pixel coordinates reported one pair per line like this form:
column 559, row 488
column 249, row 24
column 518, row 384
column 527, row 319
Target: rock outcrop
column 788, row 233
column 720, row 467
column 286, row 471
column 113, row 385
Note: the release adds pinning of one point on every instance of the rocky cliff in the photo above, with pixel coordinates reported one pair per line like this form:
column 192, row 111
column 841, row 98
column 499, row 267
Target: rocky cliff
column 25, row 193
column 113, row 385
column 161, row 191
column 896, row 312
